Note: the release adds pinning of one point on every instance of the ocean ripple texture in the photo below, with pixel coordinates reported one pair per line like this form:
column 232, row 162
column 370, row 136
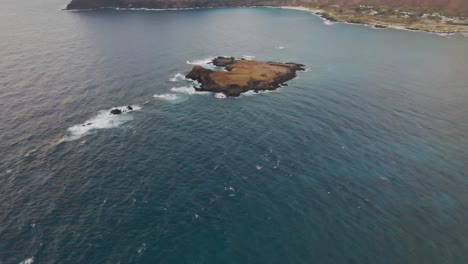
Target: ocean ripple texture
column 362, row 159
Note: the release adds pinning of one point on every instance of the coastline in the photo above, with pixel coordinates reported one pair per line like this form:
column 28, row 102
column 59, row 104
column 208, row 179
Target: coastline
column 325, row 16
column 328, row 17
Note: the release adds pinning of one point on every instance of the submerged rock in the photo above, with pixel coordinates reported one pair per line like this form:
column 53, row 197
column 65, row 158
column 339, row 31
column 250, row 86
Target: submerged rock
column 243, row 75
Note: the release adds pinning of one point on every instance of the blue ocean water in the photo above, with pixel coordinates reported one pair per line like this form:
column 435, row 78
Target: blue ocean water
column 361, row 159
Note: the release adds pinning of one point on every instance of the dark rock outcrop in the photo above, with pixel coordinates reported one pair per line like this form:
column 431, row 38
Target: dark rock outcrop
column 326, row 17
column 380, row 26
column 244, row 75
column 223, row 61
column 116, row 111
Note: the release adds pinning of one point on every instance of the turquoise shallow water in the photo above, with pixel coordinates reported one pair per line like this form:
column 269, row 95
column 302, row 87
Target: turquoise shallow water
column 361, row 159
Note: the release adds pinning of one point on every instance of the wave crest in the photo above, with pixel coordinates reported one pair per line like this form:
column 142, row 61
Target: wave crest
column 166, row 96
column 178, row 77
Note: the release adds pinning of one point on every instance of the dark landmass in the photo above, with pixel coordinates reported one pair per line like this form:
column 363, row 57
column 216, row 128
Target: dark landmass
column 445, row 7
column 440, row 16
column 169, row 4
column 243, row 75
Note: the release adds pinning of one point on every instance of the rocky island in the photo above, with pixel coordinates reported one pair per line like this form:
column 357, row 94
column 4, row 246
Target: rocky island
column 242, row 75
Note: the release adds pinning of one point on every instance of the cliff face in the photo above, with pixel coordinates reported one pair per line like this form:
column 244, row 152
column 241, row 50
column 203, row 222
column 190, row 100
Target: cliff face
column 447, row 7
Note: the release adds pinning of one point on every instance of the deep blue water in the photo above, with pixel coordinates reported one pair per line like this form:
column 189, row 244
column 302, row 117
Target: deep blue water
column 362, row 159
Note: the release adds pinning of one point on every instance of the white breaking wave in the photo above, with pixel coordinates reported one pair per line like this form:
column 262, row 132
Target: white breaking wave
column 166, row 96
column 178, row 77
column 328, row 22
column 248, row 57
column 220, row 95
column 205, row 63
column 27, row 261
column 142, row 249
column 186, row 90
column 280, row 47
column 103, row 120
column 252, row 92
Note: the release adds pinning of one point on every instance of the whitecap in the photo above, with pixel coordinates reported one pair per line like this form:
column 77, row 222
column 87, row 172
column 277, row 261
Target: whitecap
column 280, row 47
column 142, row 249
column 277, row 164
column 30, row 152
column 230, row 188
column 328, row 22
column 28, row 261
column 102, row 120
column 166, row 96
column 258, row 167
column 178, row 77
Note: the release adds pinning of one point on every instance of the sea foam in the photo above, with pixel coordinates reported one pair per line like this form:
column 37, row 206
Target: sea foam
column 205, row 63
column 252, row 92
column 220, row 95
column 102, row 120
column 166, row 96
column 178, row 77
column 27, row 261
column 186, row 90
